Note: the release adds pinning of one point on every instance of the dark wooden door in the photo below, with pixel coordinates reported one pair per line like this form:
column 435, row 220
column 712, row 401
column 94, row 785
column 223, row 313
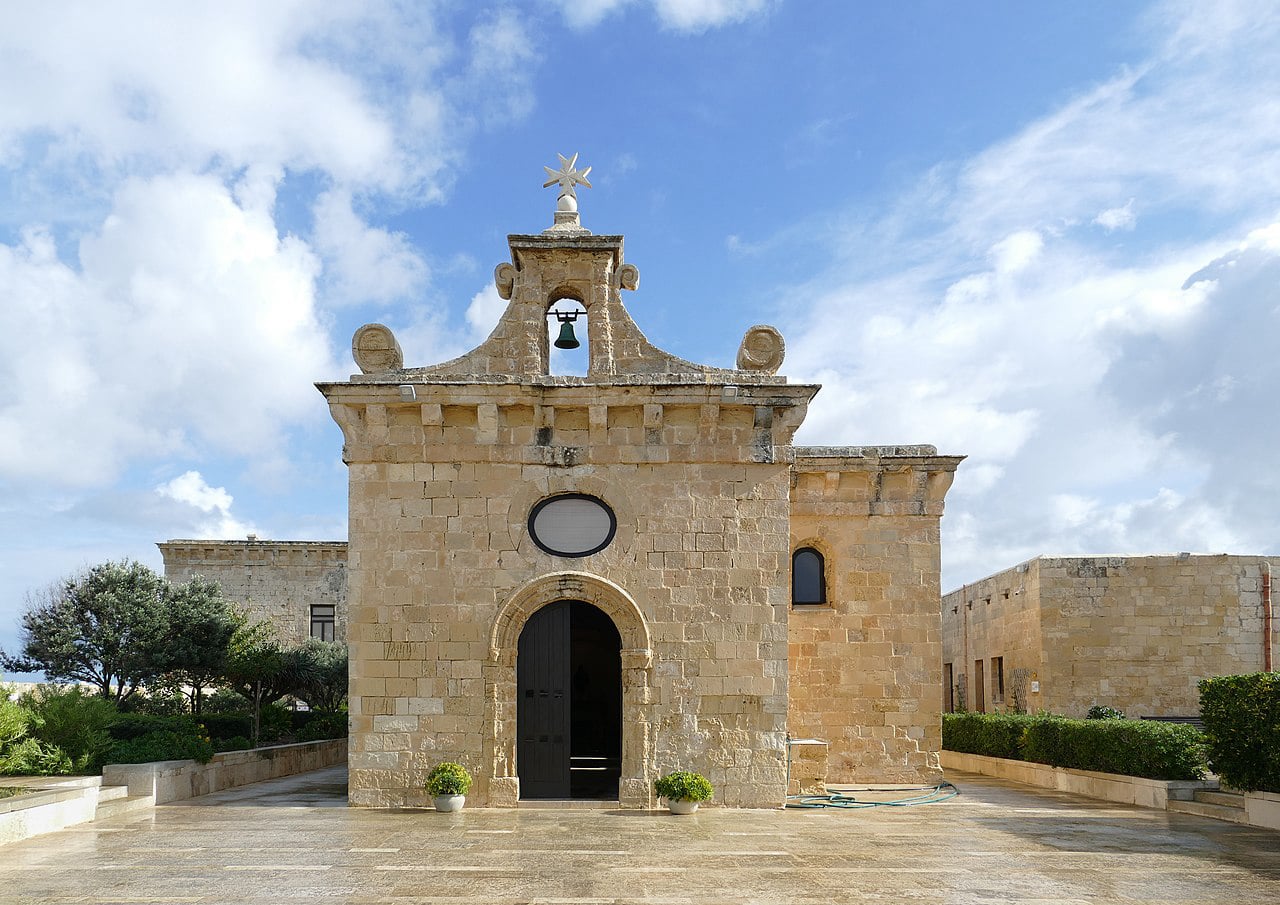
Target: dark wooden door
column 543, row 704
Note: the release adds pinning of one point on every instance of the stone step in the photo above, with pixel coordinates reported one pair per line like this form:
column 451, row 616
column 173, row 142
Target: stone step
column 111, row 793
column 1203, row 809
column 127, row 805
column 1227, row 799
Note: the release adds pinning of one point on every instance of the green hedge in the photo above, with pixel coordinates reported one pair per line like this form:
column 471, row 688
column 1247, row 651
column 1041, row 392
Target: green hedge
column 1151, row 750
column 1242, row 728
column 1144, row 748
column 991, row 734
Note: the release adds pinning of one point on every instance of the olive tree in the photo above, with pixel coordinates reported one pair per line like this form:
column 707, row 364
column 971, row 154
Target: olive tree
column 108, row 627
column 119, row 626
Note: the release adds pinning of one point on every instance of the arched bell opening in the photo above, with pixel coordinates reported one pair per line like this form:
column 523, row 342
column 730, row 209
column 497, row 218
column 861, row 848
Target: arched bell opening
column 568, row 335
column 569, row 703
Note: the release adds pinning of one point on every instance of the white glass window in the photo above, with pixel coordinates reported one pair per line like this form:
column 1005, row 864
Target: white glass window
column 572, row 524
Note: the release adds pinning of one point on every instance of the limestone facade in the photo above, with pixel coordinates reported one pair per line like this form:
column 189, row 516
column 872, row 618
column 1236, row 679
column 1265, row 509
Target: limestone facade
column 1131, row 632
column 709, row 498
column 278, row 581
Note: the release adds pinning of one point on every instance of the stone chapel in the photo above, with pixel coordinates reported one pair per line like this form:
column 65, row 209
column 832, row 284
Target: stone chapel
column 572, row 585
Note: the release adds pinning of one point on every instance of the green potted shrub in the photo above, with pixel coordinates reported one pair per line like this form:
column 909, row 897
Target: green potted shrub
column 683, row 790
column 448, row 785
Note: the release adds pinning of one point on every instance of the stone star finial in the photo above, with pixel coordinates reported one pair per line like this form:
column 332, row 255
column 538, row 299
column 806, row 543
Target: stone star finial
column 568, row 176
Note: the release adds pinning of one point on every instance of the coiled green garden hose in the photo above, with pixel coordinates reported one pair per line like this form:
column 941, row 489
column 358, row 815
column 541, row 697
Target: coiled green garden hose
column 941, row 792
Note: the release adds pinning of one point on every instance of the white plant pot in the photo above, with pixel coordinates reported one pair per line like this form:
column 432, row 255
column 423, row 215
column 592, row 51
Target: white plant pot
column 682, row 807
column 449, row 802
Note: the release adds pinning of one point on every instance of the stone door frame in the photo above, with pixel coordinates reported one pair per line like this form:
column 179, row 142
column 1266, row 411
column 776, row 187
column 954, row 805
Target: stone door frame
column 634, row 785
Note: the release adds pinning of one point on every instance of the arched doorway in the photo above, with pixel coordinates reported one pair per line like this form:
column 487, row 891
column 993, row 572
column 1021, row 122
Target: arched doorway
column 569, row 703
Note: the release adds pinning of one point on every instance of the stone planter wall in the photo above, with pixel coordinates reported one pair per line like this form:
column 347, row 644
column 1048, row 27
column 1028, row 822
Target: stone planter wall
column 1263, row 809
column 173, row 780
column 52, row 803
column 1146, row 793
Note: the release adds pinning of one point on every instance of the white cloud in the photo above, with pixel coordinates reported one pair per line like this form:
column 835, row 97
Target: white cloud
column 188, row 321
column 1114, row 218
column 485, row 308
column 377, row 96
column 699, row 15
column 688, row 16
column 1107, row 404
column 364, row 264
column 213, row 503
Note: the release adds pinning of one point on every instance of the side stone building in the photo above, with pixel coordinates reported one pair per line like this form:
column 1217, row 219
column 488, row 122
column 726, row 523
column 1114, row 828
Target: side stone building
column 1131, row 632
column 299, row 586
column 572, row 585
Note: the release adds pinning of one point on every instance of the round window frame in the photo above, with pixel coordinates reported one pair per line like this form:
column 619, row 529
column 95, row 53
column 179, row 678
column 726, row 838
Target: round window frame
column 546, row 501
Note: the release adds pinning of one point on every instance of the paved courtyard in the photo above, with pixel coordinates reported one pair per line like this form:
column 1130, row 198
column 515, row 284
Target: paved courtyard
column 294, row 840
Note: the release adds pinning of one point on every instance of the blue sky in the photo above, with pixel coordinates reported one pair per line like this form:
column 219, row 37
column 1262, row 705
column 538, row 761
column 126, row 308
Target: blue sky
column 1046, row 236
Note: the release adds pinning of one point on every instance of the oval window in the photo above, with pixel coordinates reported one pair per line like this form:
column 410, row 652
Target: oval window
column 572, row 524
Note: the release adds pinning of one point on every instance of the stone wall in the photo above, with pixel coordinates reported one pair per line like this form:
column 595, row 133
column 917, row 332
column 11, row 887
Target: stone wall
column 178, row 780
column 274, row 580
column 1131, row 632
column 865, row 668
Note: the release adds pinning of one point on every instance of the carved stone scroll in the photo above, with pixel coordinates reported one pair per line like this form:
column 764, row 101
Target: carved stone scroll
column 762, row 349
column 375, row 350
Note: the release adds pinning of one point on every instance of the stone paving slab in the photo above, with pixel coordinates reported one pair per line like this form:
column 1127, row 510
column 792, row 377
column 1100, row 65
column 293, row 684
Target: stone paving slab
column 294, row 840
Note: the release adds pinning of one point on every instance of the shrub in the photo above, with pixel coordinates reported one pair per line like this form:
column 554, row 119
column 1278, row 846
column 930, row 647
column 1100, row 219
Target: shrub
column 224, row 700
column 161, row 745
column 31, row 757
column 989, row 734
column 1242, row 729
column 1099, row 712
column 235, row 743
column 141, row 738
column 157, row 701
column 276, row 723
column 128, row 726
column 683, row 786
column 1152, row 750
column 74, row 721
column 448, row 779
column 322, row 726
column 22, row 755
column 221, row 726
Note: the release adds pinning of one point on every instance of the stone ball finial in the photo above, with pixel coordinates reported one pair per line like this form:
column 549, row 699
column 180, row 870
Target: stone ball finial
column 762, row 349
column 375, row 349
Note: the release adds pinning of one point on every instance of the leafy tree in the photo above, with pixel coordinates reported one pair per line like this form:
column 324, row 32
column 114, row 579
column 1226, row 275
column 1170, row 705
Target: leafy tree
column 257, row 668
column 203, row 624
column 318, row 670
column 108, row 627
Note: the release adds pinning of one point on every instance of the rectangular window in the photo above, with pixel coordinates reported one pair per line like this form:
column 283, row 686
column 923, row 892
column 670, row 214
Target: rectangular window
column 322, row 621
column 948, row 689
column 997, row 680
column 979, row 688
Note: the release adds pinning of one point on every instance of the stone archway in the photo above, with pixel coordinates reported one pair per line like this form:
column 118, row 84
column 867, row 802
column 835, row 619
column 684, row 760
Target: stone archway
column 500, row 681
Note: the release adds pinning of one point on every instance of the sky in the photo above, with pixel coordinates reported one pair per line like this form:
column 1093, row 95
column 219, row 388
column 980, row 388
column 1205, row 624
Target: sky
column 1043, row 236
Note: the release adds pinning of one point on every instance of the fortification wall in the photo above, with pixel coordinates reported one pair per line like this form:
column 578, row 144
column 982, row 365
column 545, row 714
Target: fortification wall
column 274, row 580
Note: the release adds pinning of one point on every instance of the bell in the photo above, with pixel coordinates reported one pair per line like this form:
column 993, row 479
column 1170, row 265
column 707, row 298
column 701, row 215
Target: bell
column 566, row 339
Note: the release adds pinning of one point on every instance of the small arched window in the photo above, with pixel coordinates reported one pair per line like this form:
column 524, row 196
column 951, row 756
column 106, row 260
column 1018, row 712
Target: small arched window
column 808, row 578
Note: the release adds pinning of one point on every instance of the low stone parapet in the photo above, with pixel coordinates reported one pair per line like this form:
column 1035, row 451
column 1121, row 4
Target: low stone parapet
column 48, row 803
column 174, row 780
column 1146, row 793
column 1262, row 809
